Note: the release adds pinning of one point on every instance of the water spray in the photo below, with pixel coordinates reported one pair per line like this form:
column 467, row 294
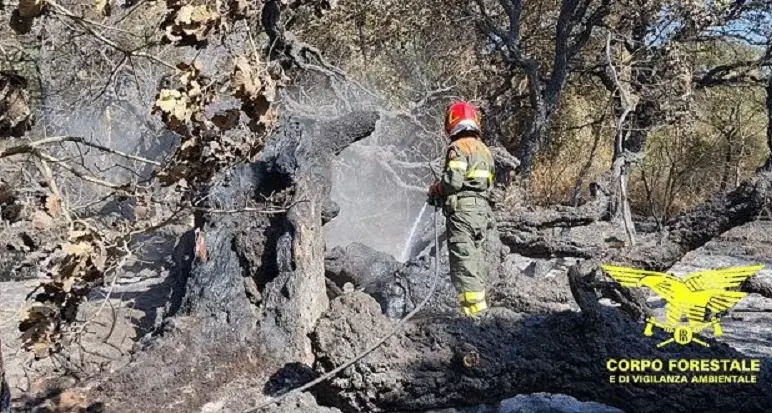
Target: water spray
column 406, row 251
column 433, row 201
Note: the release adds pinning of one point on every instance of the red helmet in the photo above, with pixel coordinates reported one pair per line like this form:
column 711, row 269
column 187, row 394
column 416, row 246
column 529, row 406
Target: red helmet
column 462, row 117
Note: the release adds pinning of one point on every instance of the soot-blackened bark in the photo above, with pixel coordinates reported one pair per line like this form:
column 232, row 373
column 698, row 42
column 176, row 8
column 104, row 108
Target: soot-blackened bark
column 246, row 305
column 449, row 362
column 273, row 261
column 294, row 300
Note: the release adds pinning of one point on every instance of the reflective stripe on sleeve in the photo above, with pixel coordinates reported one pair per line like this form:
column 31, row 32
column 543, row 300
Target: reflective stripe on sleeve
column 457, row 165
column 479, row 173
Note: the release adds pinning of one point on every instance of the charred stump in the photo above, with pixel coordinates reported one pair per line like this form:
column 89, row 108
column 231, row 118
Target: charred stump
column 265, row 277
column 250, row 279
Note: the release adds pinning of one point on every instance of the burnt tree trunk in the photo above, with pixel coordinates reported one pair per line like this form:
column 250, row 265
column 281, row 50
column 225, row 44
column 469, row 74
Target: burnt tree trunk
column 296, row 298
column 574, row 25
column 267, row 263
column 250, row 281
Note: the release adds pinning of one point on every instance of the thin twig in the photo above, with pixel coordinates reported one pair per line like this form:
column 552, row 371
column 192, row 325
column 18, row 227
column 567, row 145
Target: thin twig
column 46, row 169
column 110, row 289
column 69, row 168
column 86, row 25
column 29, row 148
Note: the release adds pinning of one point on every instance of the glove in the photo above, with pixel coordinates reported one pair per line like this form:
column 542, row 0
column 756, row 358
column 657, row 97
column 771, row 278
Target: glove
column 435, row 190
column 435, row 194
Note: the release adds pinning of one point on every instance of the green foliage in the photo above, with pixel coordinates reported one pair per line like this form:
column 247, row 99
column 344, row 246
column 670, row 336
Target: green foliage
column 724, row 144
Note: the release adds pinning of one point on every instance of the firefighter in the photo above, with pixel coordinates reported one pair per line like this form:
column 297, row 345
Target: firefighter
column 464, row 193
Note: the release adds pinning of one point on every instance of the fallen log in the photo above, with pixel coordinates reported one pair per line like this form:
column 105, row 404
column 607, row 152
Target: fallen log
column 558, row 216
column 450, row 361
column 585, row 235
column 684, row 233
column 562, row 231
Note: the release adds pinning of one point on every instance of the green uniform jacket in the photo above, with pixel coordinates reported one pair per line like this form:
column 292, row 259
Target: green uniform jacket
column 469, row 169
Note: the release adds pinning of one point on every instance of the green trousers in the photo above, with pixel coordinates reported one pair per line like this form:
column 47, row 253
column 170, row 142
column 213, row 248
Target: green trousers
column 467, row 226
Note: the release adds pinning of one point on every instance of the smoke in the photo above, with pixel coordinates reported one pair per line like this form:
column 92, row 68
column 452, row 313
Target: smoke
column 379, row 192
column 379, row 183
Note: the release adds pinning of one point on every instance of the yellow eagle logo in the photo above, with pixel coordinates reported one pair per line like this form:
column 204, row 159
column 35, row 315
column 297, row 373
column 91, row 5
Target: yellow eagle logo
column 689, row 297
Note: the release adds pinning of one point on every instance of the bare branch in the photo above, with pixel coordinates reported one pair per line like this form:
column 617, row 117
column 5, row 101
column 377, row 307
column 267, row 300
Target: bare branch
column 69, row 168
column 32, row 146
column 87, row 26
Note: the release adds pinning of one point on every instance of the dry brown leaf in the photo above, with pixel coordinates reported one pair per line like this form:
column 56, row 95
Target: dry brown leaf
column 169, row 34
column 202, row 14
column 194, row 90
column 41, row 220
column 79, row 249
column 70, row 400
column 189, row 144
column 53, row 205
column 189, row 24
column 73, row 269
column 67, row 284
column 99, row 261
column 183, row 14
column 40, row 349
column 269, row 89
column 246, row 86
column 189, row 71
column 173, row 104
column 103, row 7
column 39, row 311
